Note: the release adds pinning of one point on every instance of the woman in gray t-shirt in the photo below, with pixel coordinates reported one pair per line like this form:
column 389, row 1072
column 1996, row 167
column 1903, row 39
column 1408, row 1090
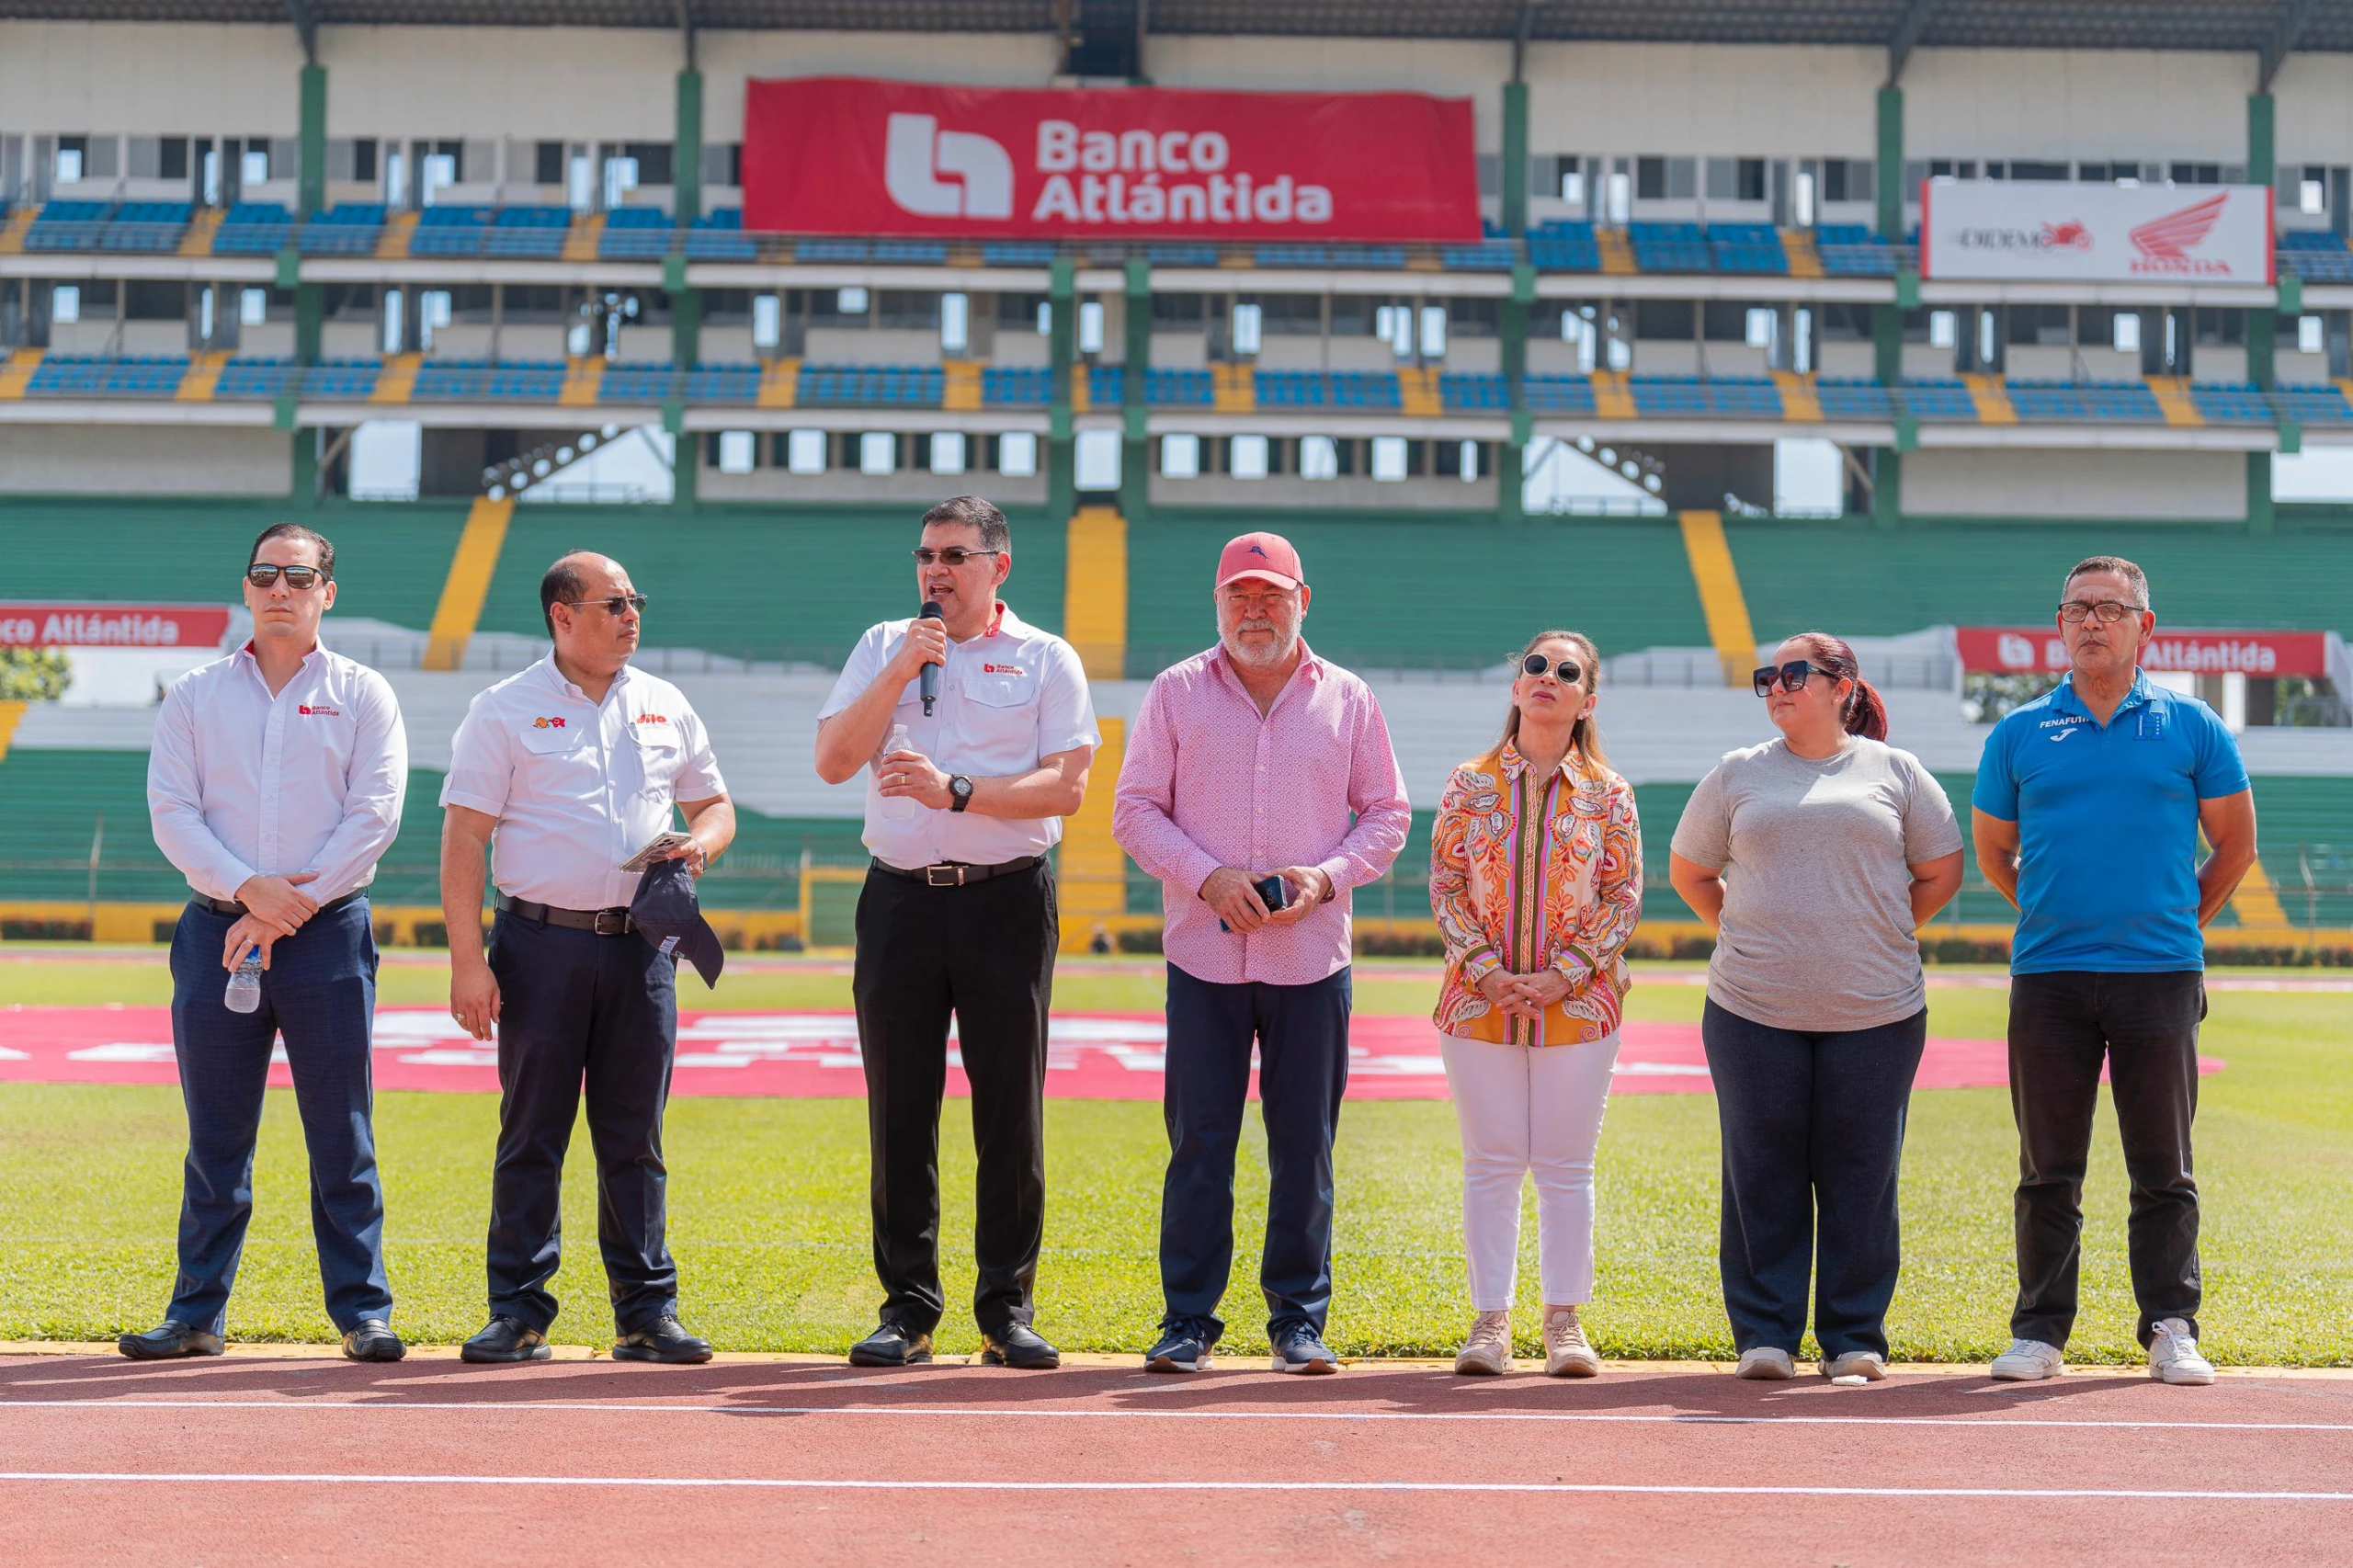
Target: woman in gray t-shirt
column 1814, row 857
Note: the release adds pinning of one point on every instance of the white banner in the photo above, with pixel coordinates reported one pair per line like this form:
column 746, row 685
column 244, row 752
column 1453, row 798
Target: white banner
column 2064, row 233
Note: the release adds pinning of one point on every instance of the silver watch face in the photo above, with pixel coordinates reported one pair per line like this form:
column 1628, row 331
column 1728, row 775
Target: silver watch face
column 960, row 786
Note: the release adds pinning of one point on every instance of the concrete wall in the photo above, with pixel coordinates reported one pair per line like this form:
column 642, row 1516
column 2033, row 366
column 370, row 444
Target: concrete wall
column 2159, row 485
column 62, row 459
column 2093, row 104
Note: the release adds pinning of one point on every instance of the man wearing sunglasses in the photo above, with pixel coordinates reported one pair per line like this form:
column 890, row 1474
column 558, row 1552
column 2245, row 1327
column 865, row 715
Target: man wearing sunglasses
column 2087, row 810
column 576, row 766
column 958, row 918
column 275, row 781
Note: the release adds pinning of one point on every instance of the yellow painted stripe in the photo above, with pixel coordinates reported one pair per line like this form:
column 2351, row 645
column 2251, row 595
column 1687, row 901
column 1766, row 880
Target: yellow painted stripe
column 203, row 374
column 12, row 233
column 2256, row 902
column 2345, row 388
column 1091, row 876
column 1424, row 260
column 1992, row 398
column 1417, row 392
column 580, row 241
column 1238, row 258
column 1234, row 389
column 16, row 372
column 471, row 568
column 1612, row 397
column 1798, row 403
column 393, row 243
column 581, row 380
column 198, row 238
column 1095, row 590
column 1719, row 597
column 9, row 713
column 780, row 383
column 1082, row 388
column 959, row 390
column 2172, row 394
column 1617, row 253
column 1804, row 260
column 397, row 379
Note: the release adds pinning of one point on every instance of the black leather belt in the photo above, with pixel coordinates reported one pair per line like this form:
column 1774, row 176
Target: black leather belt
column 234, row 910
column 604, row 922
column 955, row 873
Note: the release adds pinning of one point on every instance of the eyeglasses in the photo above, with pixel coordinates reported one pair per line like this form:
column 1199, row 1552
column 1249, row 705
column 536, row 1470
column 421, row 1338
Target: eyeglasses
column 619, row 604
column 1792, row 676
column 263, row 576
column 2073, row 611
column 954, row 555
column 1568, row 670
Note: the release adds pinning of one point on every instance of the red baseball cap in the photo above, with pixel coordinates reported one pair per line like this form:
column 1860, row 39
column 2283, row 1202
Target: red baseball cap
column 1260, row 555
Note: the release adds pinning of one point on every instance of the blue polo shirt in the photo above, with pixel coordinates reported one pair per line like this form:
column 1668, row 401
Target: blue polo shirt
column 2108, row 825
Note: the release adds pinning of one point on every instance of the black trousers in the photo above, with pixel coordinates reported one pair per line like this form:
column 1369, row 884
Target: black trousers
column 2063, row 1026
column 575, row 1007
column 985, row 954
column 1812, row 1127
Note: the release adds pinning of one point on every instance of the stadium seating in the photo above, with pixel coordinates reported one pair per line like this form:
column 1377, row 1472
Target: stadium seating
column 1017, row 252
column 147, row 226
column 635, row 233
column 870, row 386
column 720, row 383
column 1016, row 386
column 451, row 230
column 1748, row 247
column 75, row 375
column 1691, row 397
column 1565, row 245
column 68, row 225
column 1557, row 394
column 1182, row 255
column 638, row 384
column 1473, row 392
column 2322, row 404
column 2231, row 402
column 1670, row 247
column 718, row 236
column 2109, row 401
column 338, row 380
column 348, row 228
column 466, row 381
column 1851, row 250
column 245, row 377
column 523, row 232
column 1938, row 397
column 1487, row 255
column 2316, row 255
column 1846, row 398
column 254, row 228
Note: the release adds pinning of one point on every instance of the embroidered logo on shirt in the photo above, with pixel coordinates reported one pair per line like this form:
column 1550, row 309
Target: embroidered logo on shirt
column 325, row 713
column 2152, row 724
column 2063, row 734
column 1003, row 670
column 547, row 723
column 653, row 719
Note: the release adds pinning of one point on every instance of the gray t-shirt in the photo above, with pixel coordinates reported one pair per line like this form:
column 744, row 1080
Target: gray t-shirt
column 1816, row 858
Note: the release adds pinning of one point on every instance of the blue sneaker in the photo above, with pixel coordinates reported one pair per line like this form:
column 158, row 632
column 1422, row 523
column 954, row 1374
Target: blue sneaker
column 1299, row 1348
column 1184, row 1348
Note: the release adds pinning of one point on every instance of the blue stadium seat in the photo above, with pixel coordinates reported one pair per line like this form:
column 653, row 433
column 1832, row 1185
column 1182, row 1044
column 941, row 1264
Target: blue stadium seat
column 148, row 226
column 718, row 236
column 68, row 225
column 1752, row 249
column 634, row 233
column 340, row 379
column 911, row 253
column 1364, row 391
column 1017, row 252
column 830, row 250
column 722, row 382
column 1939, row 397
column 2320, row 404
column 450, row 231
column 1180, row 388
column 2231, row 402
column 1107, row 385
column 638, row 384
column 1182, row 255
column 1293, row 255
column 536, row 232
column 1291, row 389
column 1564, row 244
column 1491, row 254
column 254, row 228
column 1473, row 392
column 348, row 228
column 137, row 375
column 872, row 386
column 1018, row 386
column 1557, row 394
column 244, row 378
column 1844, row 398
column 1670, row 247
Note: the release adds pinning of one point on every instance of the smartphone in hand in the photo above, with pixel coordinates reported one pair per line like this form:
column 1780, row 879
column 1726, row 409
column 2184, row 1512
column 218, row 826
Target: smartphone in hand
column 1273, row 891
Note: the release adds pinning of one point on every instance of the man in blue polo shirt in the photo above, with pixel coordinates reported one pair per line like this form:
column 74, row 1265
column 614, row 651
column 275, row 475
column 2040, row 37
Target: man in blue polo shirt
column 2088, row 805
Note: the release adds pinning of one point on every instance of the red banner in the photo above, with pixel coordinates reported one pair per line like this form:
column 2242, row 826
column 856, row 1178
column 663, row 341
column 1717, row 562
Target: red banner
column 2025, row 650
column 112, row 626
column 850, row 156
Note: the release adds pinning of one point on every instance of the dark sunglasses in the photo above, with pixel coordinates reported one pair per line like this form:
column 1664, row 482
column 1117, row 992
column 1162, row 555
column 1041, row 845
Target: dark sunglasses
column 263, row 576
column 619, row 604
column 1569, row 671
column 954, row 555
column 1792, row 676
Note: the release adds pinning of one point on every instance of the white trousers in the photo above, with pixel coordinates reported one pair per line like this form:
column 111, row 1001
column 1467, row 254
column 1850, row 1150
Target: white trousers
column 1526, row 1109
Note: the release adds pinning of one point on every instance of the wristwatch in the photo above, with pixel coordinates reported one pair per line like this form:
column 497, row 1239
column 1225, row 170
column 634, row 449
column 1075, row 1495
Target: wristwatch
column 960, row 791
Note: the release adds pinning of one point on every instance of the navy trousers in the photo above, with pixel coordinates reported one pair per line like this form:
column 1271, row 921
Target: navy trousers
column 1812, row 1125
column 320, row 992
column 1302, row 1033
column 578, row 1008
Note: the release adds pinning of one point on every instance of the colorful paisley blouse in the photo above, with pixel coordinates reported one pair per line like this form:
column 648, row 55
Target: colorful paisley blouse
column 1528, row 871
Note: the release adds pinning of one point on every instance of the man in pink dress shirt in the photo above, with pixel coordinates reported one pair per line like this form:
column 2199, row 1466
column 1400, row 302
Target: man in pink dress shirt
column 1255, row 759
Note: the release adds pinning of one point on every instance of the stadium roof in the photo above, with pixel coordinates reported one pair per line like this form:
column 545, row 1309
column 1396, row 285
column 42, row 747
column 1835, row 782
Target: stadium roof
column 2270, row 29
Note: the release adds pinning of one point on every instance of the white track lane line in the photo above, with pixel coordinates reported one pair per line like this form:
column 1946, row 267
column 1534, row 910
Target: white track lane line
column 959, row 1412
column 815, row 1484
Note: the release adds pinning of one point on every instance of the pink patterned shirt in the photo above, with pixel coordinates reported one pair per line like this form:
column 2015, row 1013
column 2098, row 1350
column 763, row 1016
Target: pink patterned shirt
column 1208, row 782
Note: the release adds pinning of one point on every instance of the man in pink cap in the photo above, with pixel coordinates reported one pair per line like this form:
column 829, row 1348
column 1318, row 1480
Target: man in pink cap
column 1253, row 762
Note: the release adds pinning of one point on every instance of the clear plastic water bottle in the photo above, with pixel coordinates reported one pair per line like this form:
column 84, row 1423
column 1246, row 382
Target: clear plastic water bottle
column 898, row 807
column 244, row 986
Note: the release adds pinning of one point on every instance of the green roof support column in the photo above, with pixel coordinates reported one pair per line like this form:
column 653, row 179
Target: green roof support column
column 1135, row 446
column 1887, row 321
column 1511, row 330
column 310, row 178
column 1061, row 352
column 1515, row 166
column 685, row 304
column 1888, row 181
column 686, row 158
column 2262, row 323
column 309, row 307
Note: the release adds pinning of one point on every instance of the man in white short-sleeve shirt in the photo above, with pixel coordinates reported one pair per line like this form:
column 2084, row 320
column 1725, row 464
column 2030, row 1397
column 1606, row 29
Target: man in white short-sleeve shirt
column 958, row 918
column 563, row 772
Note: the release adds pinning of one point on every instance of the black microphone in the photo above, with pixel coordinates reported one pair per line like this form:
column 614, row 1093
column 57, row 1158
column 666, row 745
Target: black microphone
column 930, row 611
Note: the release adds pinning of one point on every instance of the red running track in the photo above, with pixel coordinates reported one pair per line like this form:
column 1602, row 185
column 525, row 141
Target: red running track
column 1089, row 1056
column 590, row 1463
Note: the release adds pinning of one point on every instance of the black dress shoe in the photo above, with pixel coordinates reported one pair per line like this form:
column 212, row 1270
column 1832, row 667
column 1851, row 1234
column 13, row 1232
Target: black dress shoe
column 372, row 1339
column 666, row 1341
column 505, row 1339
column 891, row 1345
column 1020, row 1346
column 168, row 1341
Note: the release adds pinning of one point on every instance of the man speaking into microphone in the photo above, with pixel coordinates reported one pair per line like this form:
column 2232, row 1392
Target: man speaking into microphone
column 976, row 729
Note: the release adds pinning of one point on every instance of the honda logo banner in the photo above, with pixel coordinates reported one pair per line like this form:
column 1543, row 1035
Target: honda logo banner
column 2028, row 650
column 2057, row 231
column 847, row 155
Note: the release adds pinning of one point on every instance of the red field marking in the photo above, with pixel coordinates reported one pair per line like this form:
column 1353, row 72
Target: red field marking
column 1090, row 1056
column 590, row 1461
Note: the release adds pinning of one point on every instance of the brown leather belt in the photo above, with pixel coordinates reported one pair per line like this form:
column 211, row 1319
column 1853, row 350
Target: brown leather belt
column 955, row 873
column 604, row 922
column 235, row 911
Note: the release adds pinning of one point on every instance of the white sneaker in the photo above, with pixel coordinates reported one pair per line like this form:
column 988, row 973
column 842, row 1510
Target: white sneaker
column 2028, row 1362
column 1863, row 1365
column 2174, row 1358
column 1766, row 1363
column 1567, row 1352
column 1488, row 1350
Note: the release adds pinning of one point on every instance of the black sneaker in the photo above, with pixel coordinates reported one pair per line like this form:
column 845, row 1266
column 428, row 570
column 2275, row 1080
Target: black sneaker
column 1184, row 1347
column 891, row 1345
column 1299, row 1348
column 505, row 1339
column 372, row 1339
column 666, row 1341
column 1020, row 1346
column 168, row 1341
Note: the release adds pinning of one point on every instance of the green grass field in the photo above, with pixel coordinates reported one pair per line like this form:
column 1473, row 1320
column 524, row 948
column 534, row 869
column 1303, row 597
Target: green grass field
column 768, row 1217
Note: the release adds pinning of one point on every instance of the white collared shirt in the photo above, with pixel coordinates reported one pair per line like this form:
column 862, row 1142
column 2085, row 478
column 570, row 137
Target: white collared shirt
column 1008, row 698
column 578, row 786
column 243, row 784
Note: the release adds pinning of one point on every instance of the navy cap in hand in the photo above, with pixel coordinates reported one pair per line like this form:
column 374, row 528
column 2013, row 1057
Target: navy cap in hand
column 667, row 915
